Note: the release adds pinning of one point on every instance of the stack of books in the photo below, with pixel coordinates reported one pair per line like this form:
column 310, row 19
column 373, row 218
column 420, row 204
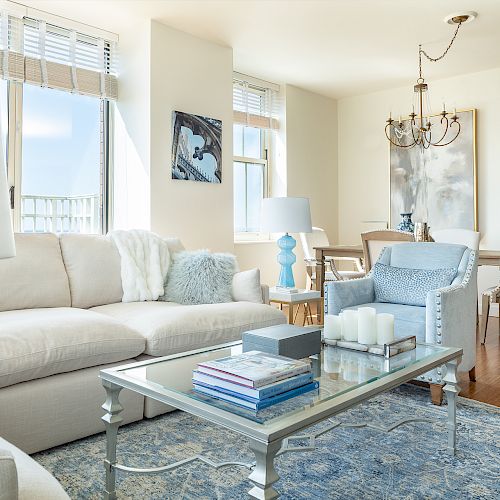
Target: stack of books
column 254, row 379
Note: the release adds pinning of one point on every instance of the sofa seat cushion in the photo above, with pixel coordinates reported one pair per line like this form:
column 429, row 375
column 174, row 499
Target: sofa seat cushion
column 408, row 320
column 36, row 343
column 170, row 328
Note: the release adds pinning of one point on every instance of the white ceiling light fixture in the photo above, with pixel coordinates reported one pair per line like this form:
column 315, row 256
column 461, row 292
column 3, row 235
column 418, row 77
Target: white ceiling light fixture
column 419, row 129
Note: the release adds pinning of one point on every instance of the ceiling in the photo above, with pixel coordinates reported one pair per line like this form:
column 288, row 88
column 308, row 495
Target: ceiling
column 337, row 48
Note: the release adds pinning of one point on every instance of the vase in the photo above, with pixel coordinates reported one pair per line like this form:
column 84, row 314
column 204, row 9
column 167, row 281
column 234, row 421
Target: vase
column 406, row 223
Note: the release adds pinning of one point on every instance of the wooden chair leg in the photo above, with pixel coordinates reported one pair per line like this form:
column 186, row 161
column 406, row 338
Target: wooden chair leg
column 436, row 394
column 472, row 374
column 483, row 325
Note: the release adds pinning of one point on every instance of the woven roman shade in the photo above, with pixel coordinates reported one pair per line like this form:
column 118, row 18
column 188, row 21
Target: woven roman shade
column 44, row 54
column 254, row 105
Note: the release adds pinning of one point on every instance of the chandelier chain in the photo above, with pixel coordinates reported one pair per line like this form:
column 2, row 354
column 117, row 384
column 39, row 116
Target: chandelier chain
column 435, row 59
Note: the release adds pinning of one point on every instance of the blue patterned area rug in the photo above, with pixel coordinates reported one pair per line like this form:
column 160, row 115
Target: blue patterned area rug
column 409, row 462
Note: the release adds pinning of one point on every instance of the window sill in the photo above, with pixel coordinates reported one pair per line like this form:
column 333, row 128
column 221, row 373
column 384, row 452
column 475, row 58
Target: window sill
column 252, row 242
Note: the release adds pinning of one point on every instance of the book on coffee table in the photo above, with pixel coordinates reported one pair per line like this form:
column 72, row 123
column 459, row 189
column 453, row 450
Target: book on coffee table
column 254, row 368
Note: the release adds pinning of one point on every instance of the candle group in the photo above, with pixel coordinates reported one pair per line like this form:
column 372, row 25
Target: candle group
column 363, row 325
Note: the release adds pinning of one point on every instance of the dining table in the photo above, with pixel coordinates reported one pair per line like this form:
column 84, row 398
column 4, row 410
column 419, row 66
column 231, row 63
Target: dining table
column 486, row 258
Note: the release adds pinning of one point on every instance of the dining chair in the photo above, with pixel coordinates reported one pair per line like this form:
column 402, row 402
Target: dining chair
column 457, row 236
column 488, row 297
column 375, row 241
column 319, row 238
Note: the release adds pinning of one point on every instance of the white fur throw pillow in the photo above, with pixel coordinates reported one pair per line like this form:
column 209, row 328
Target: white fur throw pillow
column 246, row 286
column 200, row 277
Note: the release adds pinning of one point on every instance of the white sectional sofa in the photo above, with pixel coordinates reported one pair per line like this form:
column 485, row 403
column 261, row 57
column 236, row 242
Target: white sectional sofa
column 62, row 320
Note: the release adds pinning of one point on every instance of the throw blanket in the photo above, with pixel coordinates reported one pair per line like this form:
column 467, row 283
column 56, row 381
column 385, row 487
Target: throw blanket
column 145, row 260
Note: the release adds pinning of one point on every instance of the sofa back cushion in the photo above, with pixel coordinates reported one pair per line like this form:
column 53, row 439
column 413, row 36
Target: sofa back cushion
column 36, row 276
column 93, row 266
column 427, row 255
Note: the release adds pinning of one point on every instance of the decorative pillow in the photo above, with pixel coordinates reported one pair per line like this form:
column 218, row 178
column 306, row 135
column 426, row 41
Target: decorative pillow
column 200, row 277
column 398, row 285
column 246, row 286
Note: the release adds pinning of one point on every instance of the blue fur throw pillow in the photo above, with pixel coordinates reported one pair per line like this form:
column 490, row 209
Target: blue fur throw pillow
column 200, row 277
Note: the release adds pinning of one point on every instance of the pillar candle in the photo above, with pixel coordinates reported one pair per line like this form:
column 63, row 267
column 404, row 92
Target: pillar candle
column 367, row 325
column 385, row 328
column 350, row 325
column 333, row 327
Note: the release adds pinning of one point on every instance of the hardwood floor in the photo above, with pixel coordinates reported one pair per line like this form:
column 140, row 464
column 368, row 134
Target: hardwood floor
column 486, row 388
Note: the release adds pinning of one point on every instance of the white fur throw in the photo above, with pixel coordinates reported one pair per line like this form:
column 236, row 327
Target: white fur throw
column 200, row 277
column 145, row 261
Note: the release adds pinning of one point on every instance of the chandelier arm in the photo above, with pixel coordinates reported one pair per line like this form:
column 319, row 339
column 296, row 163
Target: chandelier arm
column 435, row 59
column 445, row 131
column 456, row 135
column 415, row 139
column 398, row 144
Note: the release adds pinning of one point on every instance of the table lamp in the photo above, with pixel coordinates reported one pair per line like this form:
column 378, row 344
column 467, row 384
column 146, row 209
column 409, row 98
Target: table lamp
column 286, row 215
column 7, row 246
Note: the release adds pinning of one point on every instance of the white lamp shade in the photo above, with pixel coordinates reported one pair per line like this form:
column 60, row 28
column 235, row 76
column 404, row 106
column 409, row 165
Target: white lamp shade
column 7, row 246
column 286, row 215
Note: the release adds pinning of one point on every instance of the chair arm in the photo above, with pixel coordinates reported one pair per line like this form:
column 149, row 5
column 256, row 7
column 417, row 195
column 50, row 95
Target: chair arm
column 8, row 476
column 265, row 294
column 451, row 315
column 349, row 293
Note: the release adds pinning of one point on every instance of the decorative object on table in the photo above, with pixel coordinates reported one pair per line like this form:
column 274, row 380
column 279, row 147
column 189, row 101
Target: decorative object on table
column 406, row 223
column 419, row 129
column 7, row 245
column 385, row 328
column 292, row 341
column 422, row 232
column 254, row 379
column 196, row 148
column 288, row 215
column 438, row 186
column 350, row 325
column 447, row 318
column 200, row 277
column 332, row 328
column 367, row 325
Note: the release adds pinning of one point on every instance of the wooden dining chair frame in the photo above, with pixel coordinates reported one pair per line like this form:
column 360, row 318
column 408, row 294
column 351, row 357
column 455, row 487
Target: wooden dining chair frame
column 388, row 235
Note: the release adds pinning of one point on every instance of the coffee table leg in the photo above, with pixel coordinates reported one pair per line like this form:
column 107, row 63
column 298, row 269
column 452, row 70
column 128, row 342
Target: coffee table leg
column 264, row 476
column 112, row 421
column 452, row 389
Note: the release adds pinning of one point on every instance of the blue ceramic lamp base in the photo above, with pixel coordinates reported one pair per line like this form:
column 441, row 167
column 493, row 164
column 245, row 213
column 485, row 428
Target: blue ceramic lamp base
column 286, row 258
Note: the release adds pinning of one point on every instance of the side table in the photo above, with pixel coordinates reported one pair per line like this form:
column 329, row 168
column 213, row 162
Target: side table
column 293, row 299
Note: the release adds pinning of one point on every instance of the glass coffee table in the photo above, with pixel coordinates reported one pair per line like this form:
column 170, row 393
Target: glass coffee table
column 346, row 378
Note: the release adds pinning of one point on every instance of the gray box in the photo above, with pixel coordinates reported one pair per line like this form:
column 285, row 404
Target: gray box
column 292, row 341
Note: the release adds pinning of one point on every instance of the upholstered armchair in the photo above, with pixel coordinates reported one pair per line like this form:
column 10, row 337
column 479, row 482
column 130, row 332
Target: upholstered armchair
column 445, row 314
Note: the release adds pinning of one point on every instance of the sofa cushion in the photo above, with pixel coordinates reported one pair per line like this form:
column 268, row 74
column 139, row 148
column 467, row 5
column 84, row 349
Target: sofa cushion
column 36, row 343
column 399, row 285
column 408, row 320
column 93, row 266
column 171, row 328
column 34, row 482
column 427, row 255
column 246, row 286
column 36, row 276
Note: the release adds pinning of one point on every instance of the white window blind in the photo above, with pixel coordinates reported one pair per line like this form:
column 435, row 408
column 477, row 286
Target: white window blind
column 47, row 55
column 12, row 59
column 254, row 105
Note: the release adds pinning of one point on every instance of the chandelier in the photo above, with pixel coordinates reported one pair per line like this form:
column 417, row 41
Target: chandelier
column 419, row 130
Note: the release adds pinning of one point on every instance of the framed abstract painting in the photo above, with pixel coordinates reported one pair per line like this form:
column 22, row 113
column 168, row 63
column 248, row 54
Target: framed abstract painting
column 437, row 185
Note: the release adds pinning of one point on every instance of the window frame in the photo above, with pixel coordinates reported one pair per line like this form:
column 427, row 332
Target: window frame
column 253, row 236
column 15, row 163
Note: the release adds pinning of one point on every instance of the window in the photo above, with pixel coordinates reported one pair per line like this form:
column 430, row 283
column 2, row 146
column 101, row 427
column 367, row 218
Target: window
column 56, row 87
column 250, row 177
column 252, row 138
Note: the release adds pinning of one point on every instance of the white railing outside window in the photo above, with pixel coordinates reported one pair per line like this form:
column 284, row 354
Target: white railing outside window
column 60, row 214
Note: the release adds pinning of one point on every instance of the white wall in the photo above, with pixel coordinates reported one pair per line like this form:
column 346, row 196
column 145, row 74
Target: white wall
column 364, row 187
column 310, row 152
column 131, row 186
column 192, row 75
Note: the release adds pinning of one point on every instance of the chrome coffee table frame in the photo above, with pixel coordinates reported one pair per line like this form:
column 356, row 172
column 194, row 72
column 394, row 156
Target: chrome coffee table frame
column 270, row 439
